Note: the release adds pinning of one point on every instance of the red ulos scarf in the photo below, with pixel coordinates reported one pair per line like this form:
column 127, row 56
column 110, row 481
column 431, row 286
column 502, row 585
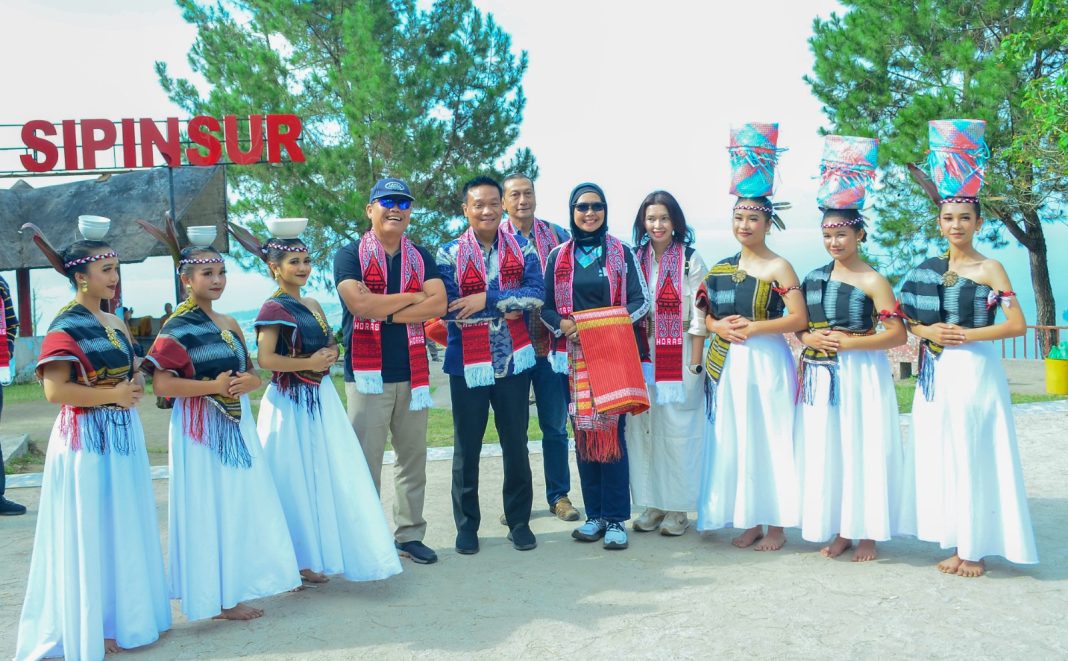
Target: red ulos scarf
column 666, row 315
column 367, row 333
column 471, row 279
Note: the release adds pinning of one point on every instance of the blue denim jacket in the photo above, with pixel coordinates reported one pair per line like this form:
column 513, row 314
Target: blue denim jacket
column 528, row 296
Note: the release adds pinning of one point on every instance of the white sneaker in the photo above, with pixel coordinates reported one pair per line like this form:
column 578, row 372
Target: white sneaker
column 674, row 524
column 649, row 520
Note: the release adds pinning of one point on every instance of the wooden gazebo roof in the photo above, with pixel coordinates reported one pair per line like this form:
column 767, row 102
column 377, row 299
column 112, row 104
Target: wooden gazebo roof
column 200, row 199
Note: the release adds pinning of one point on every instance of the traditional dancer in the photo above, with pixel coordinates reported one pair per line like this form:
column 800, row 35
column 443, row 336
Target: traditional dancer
column 665, row 444
column 332, row 508
column 96, row 582
column 594, row 293
column 550, row 388
column 969, row 485
column 748, row 474
column 228, row 536
column 493, row 279
column 847, row 433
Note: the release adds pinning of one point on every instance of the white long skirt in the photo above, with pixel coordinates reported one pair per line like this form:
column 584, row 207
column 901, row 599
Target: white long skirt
column 664, row 446
column 849, row 455
column 97, row 565
column 332, row 508
column 969, row 485
column 748, row 476
column 228, row 536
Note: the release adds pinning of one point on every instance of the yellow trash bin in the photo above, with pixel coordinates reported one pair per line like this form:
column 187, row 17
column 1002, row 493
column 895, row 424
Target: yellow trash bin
column 1056, row 376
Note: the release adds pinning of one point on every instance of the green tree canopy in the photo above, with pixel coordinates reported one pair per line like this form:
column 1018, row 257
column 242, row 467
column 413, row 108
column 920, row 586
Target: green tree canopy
column 383, row 89
column 885, row 69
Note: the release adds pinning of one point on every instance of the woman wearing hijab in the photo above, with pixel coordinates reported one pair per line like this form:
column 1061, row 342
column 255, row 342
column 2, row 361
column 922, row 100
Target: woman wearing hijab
column 594, row 293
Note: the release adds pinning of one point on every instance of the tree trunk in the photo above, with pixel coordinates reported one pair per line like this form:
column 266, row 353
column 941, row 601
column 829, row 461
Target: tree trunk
column 1045, row 305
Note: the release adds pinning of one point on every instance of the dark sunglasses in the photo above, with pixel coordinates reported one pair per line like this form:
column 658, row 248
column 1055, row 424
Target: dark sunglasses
column 401, row 203
column 583, row 207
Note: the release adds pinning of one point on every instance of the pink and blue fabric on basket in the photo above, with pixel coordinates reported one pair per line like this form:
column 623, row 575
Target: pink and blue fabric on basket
column 753, row 153
column 957, row 157
column 847, row 169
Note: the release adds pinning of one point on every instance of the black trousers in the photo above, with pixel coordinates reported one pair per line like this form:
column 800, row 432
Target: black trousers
column 470, row 415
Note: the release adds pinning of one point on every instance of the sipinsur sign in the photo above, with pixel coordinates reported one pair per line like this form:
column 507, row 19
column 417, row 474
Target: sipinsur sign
column 134, row 143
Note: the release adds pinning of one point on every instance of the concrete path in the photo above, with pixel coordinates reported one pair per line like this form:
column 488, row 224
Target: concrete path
column 689, row 597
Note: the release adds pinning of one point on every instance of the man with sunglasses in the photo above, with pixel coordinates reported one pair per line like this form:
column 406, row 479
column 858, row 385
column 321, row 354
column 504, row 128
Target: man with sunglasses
column 550, row 388
column 388, row 287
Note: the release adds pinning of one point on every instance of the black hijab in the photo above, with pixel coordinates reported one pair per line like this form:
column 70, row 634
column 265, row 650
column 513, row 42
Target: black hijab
column 582, row 237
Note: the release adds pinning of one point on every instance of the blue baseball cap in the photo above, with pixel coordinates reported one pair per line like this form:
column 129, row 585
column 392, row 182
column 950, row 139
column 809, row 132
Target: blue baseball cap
column 390, row 187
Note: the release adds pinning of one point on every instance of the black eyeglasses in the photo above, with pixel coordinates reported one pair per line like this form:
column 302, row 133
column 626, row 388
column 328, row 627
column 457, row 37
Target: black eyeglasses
column 401, row 203
column 583, row 207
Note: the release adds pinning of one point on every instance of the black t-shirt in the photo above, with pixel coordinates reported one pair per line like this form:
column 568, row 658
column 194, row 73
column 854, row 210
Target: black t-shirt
column 395, row 368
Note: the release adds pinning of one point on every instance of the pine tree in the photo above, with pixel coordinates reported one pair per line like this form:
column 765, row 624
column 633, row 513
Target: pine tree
column 382, row 87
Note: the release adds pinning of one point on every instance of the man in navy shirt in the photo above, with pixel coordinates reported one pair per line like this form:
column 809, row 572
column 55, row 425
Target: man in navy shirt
column 493, row 278
column 390, row 287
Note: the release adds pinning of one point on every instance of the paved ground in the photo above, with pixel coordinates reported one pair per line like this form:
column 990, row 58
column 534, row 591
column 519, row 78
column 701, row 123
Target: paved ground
column 689, row 597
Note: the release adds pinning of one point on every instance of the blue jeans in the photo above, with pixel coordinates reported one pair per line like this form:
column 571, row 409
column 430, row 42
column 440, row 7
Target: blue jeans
column 606, row 487
column 551, row 394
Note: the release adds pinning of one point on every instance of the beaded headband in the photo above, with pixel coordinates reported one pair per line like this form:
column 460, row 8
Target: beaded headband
column 200, row 260
column 958, row 200
column 88, row 260
column 859, row 220
column 271, row 245
column 755, row 207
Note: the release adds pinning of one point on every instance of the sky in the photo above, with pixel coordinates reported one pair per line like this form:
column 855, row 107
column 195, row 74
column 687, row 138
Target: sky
column 635, row 96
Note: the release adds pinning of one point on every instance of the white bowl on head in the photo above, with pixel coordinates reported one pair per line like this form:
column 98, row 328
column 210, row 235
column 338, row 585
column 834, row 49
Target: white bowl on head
column 286, row 228
column 93, row 228
column 202, row 236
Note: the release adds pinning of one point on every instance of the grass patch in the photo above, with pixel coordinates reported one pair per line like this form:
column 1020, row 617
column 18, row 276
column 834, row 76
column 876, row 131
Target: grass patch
column 24, row 392
column 906, row 391
column 29, row 462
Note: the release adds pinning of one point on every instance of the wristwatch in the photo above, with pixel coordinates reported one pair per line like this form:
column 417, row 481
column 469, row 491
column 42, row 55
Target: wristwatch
column 695, row 369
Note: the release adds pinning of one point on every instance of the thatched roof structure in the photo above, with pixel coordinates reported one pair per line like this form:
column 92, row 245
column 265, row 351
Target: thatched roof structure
column 199, row 194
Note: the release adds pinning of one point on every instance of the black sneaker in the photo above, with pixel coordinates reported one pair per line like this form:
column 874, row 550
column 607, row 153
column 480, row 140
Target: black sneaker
column 417, row 551
column 8, row 508
column 522, row 538
column 467, row 542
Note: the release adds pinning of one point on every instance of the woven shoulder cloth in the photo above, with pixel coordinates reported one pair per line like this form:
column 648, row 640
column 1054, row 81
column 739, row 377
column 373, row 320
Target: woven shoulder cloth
column 302, row 332
column 834, row 305
column 98, row 355
column 729, row 290
column 921, row 302
column 191, row 346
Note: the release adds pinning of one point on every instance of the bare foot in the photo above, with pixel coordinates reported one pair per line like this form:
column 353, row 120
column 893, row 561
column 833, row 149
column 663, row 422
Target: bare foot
column 749, row 537
column 111, row 647
column 836, row 548
column 971, row 569
column 239, row 612
column 313, row 576
column 950, row 565
column 773, row 541
column 865, row 551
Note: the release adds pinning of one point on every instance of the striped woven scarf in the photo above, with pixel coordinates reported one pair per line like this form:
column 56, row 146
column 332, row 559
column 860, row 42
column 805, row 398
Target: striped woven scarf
column 99, row 356
column 471, row 279
column 193, row 347
column 921, row 302
column 367, row 333
column 666, row 318
column 545, row 239
column 303, row 332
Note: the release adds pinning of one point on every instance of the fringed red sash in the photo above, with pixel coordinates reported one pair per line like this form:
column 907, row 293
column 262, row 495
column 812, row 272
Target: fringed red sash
column 5, row 353
column 563, row 288
column 367, row 333
column 666, row 317
column 607, row 381
column 471, row 279
column 545, row 239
